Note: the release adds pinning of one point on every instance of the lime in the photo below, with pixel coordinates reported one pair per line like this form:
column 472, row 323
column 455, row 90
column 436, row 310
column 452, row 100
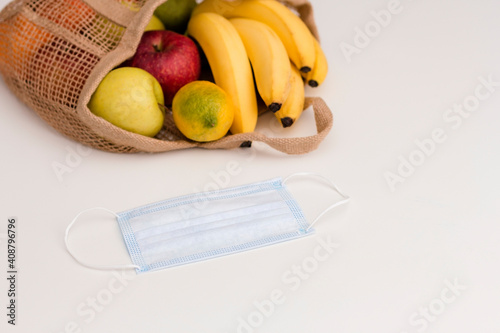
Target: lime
column 202, row 111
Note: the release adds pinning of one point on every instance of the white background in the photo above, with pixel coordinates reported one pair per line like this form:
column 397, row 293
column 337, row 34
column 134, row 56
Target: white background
column 398, row 250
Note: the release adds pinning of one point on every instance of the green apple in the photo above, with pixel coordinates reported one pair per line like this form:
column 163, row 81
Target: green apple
column 130, row 98
column 154, row 24
column 175, row 14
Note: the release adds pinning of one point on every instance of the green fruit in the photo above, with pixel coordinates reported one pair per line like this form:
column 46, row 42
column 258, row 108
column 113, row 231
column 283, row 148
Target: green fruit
column 175, row 14
column 130, row 98
column 154, row 24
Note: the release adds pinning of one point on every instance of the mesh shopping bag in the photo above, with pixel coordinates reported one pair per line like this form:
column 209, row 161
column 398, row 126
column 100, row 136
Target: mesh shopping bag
column 54, row 54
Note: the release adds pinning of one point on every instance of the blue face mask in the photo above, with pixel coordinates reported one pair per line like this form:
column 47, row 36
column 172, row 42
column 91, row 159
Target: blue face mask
column 207, row 225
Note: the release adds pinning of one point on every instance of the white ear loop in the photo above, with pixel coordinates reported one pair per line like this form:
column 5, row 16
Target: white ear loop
column 100, row 267
column 329, row 183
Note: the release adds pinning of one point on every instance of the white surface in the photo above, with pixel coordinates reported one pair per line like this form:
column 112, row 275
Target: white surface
column 396, row 249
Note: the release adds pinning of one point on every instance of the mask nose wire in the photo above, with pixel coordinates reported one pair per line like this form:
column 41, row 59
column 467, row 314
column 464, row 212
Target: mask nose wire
column 344, row 200
column 99, row 267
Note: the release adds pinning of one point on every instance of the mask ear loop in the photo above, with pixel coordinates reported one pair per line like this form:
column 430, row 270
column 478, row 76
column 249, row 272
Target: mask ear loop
column 100, row 267
column 344, row 200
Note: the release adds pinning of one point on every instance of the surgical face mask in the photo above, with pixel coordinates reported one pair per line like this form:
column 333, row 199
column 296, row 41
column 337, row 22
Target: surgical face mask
column 207, row 225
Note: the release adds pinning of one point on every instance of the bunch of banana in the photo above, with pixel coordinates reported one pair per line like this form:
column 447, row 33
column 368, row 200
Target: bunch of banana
column 281, row 49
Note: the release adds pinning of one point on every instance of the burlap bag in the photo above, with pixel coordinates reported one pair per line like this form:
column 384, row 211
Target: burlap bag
column 54, row 54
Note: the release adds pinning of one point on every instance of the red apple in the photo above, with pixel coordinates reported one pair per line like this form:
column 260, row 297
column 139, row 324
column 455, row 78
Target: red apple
column 173, row 59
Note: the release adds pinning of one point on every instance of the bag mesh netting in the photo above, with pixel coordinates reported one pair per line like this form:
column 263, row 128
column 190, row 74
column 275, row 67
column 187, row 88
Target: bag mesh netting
column 54, row 54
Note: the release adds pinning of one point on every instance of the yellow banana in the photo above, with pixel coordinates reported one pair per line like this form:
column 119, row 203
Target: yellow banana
column 230, row 66
column 318, row 75
column 293, row 32
column 269, row 59
column 294, row 105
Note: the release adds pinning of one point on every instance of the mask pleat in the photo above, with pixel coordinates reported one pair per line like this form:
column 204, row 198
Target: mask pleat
column 214, row 217
column 223, row 237
column 199, row 200
column 192, row 211
column 249, row 218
